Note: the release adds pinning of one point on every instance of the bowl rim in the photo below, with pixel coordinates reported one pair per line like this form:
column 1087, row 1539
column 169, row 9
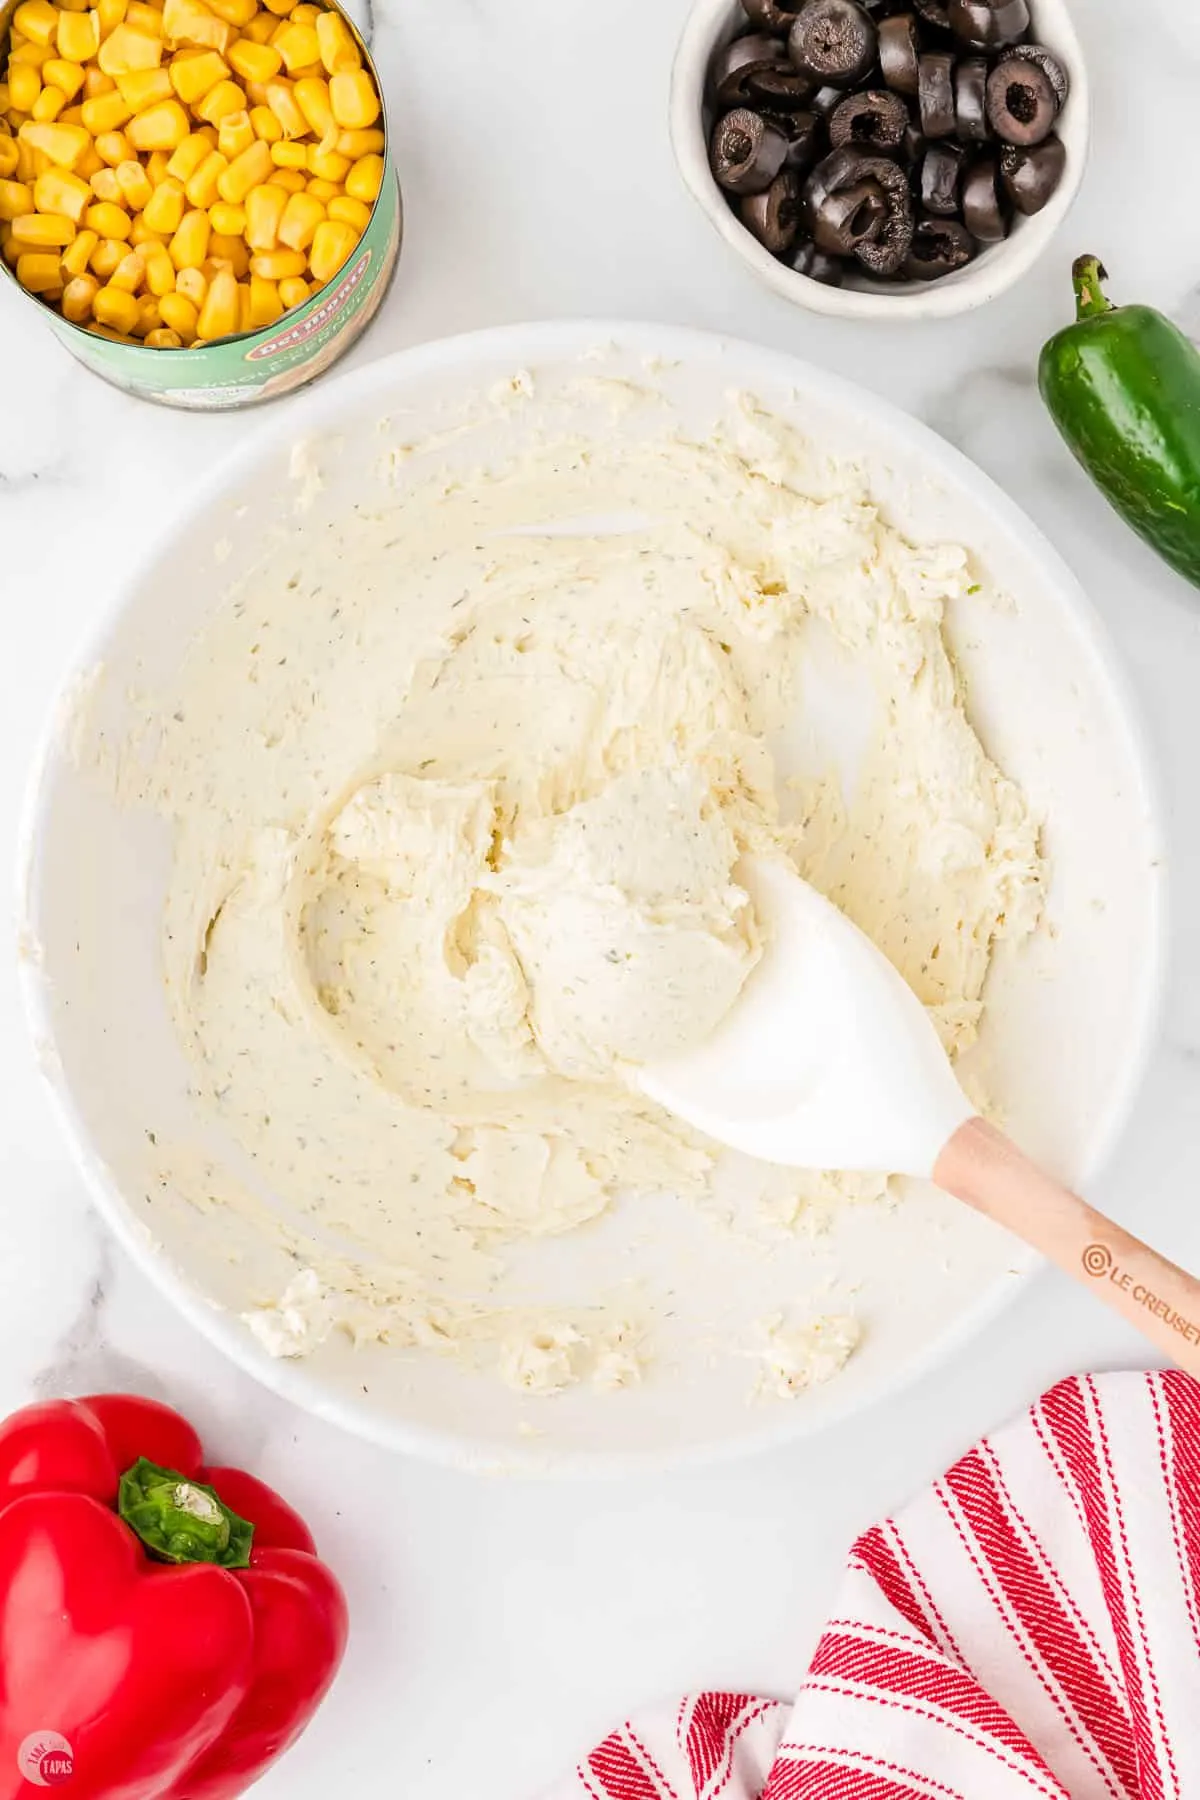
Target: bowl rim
column 318, row 408
column 991, row 275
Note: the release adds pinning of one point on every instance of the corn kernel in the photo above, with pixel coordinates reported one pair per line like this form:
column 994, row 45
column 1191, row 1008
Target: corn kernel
column 161, row 127
column 66, row 76
column 74, row 5
column 179, row 315
column 243, row 304
column 282, row 102
column 227, row 220
column 88, row 163
column 109, row 220
column 327, row 165
column 106, row 112
column 36, row 20
column 111, row 14
column 360, row 143
column 163, row 339
column 235, row 133
column 312, row 97
column 290, row 180
column 189, row 245
column 145, row 87
column 78, row 253
column 208, row 133
column 280, row 8
column 114, row 147
column 135, row 185
column 265, row 304
column 266, row 125
column 322, row 190
column 254, row 62
column 297, row 44
column 287, row 155
column 182, row 165
column 353, row 99
column 224, row 248
column 235, row 12
column 160, row 270
column 156, row 167
column 195, row 73
column 249, row 170
column 349, row 211
column 9, row 157
column 96, row 82
column 298, row 226
column 365, row 179
column 193, row 285
column 144, row 17
column 43, row 231
column 38, row 271
column 126, row 49
column 30, row 163
column 30, row 56
column 105, row 186
column 63, row 144
column 58, row 191
column 264, row 209
column 191, row 22
column 305, row 13
column 77, row 298
column 277, row 265
column 339, row 52
column 227, row 97
column 116, row 308
column 142, row 234
column 259, row 30
column 333, row 241
column 293, row 291
column 48, row 105
column 149, row 316
column 107, row 256
column 113, row 337
column 129, row 273
column 201, row 188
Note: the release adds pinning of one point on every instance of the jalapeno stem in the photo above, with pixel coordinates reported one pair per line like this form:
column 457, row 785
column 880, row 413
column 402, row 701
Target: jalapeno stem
column 1087, row 273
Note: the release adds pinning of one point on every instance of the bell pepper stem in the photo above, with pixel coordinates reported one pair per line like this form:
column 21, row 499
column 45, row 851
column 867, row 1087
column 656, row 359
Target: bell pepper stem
column 1087, row 274
column 180, row 1520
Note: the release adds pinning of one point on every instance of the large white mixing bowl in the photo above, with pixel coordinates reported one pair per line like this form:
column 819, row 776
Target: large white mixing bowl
column 1069, row 1017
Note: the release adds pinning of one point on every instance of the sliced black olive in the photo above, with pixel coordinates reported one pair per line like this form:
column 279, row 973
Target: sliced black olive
column 841, row 221
column 941, row 172
column 746, row 154
column 914, row 145
column 814, row 263
column 985, row 215
column 1021, row 103
column 805, row 137
column 939, row 247
column 875, row 119
column 900, row 53
column 1048, row 64
column 731, row 69
column 1029, row 177
column 772, row 15
column 970, row 100
column 935, row 89
column 988, row 24
column 826, row 101
column 774, row 217
column 833, row 40
column 781, row 88
column 934, row 12
column 881, row 253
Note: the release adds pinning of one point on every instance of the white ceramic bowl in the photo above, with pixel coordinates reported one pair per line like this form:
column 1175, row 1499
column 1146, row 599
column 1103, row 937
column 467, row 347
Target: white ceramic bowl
column 1069, row 1017
column 714, row 22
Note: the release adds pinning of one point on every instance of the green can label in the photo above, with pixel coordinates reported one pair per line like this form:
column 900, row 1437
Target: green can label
column 243, row 371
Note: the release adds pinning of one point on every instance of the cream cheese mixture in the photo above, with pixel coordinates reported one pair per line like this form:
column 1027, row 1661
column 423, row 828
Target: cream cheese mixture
column 457, row 792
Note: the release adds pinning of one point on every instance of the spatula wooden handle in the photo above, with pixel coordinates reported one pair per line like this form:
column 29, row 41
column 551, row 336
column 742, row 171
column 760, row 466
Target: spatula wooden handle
column 981, row 1166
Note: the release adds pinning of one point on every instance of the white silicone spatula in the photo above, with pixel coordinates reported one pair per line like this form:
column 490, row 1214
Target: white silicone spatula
column 829, row 1061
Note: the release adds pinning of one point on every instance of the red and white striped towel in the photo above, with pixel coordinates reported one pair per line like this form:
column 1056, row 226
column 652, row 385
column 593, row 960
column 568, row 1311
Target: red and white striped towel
column 1029, row 1627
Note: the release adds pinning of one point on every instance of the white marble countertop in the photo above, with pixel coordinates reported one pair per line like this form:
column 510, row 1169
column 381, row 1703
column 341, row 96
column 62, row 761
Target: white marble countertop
column 499, row 1623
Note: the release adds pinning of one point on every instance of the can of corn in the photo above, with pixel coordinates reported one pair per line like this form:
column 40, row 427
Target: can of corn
column 240, row 368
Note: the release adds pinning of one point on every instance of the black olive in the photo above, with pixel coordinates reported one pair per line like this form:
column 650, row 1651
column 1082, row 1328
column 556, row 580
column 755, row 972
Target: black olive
column 941, row 173
column 833, row 40
column 841, row 221
column 875, row 118
column 808, row 260
column 805, row 137
column 939, row 247
column 772, row 15
column 1048, row 64
column 934, row 12
column 970, row 100
column 774, row 217
column 913, row 147
column 882, row 253
column 746, row 154
column 732, row 68
column 1021, row 103
column 988, row 24
column 1029, row 177
column 935, row 86
column 985, row 215
column 826, row 101
column 781, row 88
column 899, row 53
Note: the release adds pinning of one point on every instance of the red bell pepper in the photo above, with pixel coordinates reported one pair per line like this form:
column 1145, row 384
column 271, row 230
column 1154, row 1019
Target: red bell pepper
column 166, row 1629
